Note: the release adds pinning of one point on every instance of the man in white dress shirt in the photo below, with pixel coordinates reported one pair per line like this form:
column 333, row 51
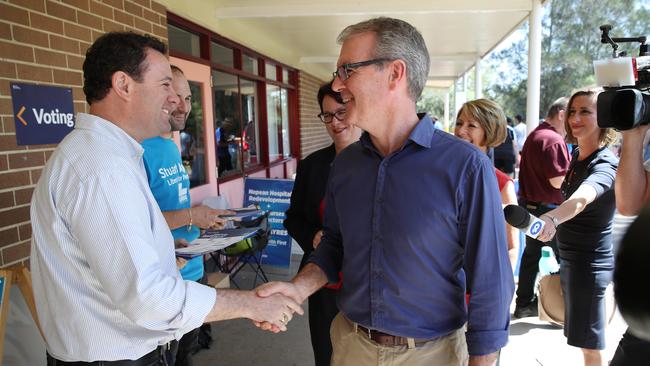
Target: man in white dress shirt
column 103, row 266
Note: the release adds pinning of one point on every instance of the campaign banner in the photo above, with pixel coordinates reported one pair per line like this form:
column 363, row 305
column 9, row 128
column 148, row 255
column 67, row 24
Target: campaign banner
column 272, row 195
column 43, row 114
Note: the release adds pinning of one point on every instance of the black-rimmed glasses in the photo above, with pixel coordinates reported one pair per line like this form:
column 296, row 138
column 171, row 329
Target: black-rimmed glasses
column 343, row 72
column 327, row 117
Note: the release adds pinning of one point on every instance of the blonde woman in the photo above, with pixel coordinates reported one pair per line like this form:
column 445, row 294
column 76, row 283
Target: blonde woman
column 482, row 123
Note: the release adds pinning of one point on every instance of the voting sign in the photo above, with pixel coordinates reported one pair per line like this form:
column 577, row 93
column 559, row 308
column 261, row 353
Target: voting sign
column 43, row 114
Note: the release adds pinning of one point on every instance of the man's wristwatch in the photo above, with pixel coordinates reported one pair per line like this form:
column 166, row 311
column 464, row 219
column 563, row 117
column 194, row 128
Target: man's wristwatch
column 554, row 220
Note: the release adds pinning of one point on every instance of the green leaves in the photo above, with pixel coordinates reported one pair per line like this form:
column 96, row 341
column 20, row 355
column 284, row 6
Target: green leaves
column 571, row 42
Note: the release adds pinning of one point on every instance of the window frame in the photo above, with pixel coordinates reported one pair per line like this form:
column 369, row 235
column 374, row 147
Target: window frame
column 206, row 38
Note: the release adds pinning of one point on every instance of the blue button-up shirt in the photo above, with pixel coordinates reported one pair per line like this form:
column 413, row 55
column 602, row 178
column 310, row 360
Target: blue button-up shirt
column 418, row 228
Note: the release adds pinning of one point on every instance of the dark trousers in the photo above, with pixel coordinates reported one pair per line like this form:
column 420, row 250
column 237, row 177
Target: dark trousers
column 184, row 348
column 631, row 350
column 161, row 356
column 322, row 310
column 530, row 262
column 188, row 345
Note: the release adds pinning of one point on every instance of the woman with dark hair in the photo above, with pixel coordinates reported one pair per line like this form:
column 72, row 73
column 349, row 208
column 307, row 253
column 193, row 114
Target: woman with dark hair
column 584, row 227
column 305, row 214
column 482, row 123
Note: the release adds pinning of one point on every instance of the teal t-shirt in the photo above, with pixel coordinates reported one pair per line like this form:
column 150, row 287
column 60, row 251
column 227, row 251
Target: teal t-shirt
column 170, row 186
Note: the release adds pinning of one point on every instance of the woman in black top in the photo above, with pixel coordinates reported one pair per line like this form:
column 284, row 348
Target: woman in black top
column 585, row 227
column 305, row 214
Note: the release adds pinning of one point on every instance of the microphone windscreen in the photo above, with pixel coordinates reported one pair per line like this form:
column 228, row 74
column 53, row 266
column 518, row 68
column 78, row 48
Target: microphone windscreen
column 516, row 216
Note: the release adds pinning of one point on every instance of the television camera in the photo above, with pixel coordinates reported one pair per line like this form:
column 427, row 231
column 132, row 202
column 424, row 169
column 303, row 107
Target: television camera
column 625, row 101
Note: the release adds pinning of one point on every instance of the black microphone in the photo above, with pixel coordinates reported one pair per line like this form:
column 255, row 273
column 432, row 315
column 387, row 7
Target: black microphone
column 520, row 218
column 630, row 276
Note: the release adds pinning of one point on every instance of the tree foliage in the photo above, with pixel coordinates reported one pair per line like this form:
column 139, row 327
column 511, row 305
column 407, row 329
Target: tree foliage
column 570, row 44
column 432, row 101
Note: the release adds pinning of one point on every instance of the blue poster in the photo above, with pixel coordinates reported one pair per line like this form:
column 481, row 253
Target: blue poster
column 43, row 114
column 272, row 195
column 2, row 289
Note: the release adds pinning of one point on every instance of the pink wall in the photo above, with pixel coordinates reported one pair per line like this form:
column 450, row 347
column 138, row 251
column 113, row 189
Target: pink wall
column 234, row 191
column 292, row 165
column 277, row 171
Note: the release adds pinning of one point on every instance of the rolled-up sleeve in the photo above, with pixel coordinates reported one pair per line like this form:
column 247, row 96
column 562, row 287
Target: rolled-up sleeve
column 489, row 276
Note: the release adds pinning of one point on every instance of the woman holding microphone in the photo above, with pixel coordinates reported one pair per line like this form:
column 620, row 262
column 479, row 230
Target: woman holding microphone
column 584, row 227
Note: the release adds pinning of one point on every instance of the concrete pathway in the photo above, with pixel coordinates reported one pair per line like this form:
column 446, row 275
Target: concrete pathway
column 239, row 343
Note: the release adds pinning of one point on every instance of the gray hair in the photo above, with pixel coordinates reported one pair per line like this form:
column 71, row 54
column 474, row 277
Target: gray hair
column 397, row 40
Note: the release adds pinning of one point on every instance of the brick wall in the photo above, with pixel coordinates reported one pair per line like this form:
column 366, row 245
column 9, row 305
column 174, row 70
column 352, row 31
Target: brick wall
column 313, row 135
column 44, row 42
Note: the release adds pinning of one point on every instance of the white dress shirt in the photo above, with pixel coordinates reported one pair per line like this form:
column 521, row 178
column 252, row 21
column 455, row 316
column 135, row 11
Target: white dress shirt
column 520, row 135
column 103, row 266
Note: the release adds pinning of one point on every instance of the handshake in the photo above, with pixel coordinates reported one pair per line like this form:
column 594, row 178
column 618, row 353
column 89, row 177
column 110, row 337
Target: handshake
column 275, row 305
column 271, row 305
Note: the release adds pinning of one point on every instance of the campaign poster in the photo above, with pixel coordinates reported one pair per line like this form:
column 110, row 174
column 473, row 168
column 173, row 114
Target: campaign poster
column 272, row 195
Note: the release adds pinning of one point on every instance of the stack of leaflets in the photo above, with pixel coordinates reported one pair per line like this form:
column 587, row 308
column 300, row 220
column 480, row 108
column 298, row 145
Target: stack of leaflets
column 242, row 216
column 213, row 240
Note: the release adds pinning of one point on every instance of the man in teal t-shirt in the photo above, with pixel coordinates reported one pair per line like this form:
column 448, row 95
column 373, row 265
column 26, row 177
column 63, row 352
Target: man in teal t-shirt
column 170, row 186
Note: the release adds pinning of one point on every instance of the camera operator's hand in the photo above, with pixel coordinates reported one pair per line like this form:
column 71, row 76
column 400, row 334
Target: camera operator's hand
column 636, row 133
column 632, row 180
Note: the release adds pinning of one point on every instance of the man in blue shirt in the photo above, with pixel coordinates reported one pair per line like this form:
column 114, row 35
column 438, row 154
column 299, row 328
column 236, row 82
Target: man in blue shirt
column 413, row 219
column 170, row 186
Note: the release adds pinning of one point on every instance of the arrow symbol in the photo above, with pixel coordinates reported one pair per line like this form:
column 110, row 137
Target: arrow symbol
column 19, row 115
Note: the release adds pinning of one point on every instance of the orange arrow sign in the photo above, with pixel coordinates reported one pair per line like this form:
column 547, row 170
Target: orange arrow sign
column 20, row 113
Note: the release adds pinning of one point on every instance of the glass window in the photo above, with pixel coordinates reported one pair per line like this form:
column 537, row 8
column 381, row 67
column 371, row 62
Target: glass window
column 250, row 136
column 193, row 141
column 222, row 55
column 285, row 76
column 227, row 123
column 249, row 64
column 284, row 100
column 271, row 71
column 274, row 116
column 183, row 41
column 277, row 105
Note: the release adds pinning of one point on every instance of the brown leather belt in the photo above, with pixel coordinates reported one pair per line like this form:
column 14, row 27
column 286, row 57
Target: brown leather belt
column 386, row 339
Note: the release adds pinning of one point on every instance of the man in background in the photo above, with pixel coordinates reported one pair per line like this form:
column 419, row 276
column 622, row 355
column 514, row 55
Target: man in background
column 505, row 154
column 170, row 186
column 632, row 194
column 520, row 132
column 544, row 162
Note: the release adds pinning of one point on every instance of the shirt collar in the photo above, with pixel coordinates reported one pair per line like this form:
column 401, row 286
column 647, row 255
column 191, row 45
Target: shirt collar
column 423, row 131
column 124, row 144
column 421, row 134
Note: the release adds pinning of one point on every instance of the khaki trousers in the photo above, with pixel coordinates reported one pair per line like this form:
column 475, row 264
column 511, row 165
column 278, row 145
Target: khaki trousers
column 350, row 348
